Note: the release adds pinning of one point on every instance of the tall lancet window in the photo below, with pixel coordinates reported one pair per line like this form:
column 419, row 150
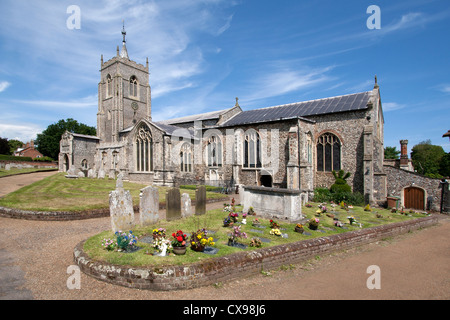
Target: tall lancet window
column 144, row 150
column 133, row 86
column 214, row 151
column 328, row 153
column 186, row 158
column 108, row 85
column 252, row 150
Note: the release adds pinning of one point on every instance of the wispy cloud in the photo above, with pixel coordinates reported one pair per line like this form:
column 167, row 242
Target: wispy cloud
column 4, row 85
column 85, row 102
column 391, row 106
column 286, row 80
column 23, row 132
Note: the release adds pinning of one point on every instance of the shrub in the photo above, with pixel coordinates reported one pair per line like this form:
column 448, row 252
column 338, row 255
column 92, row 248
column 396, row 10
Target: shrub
column 324, row 195
column 340, row 184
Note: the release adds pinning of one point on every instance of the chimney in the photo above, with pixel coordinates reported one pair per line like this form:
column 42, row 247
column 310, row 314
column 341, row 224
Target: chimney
column 404, row 154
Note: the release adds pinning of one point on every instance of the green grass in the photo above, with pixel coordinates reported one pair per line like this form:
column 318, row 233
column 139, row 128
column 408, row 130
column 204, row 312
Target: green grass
column 14, row 171
column 57, row 193
column 213, row 221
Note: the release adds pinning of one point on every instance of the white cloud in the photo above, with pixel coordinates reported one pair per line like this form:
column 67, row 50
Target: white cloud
column 85, row 102
column 287, row 80
column 4, row 85
column 21, row 132
column 391, row 106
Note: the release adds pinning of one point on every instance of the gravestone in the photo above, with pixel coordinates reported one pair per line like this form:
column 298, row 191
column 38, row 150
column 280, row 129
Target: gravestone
column 149, row 206
column 121, row 209
column 200, row 200
column 173, row 204
column 91, row 173
column 7, row 167
column 186, row 209
column 101, row 174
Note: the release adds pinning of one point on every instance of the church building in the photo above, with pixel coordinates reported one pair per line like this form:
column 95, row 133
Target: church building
column 295, row 146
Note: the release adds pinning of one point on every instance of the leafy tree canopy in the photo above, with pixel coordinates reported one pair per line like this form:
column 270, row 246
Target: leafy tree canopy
column 48, row 141
column 4, row 147
column 391, row 153
column 14, row 144
column 427, row 158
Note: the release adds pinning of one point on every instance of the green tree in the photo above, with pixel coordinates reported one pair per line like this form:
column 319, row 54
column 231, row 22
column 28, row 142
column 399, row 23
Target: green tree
column 391, row 153
column 14, row 144
column 426, row 158
column 4, row 147
column 444, row 165
column 48, row 141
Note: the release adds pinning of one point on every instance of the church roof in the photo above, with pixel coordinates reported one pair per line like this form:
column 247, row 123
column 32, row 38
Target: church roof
column 351, row 102
column 196, row 117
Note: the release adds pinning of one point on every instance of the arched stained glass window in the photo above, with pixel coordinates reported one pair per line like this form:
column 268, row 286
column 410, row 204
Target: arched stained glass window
column 252, row 150
column 186, row 158
column 328, row 153
column 144, row 150
column 214, row 151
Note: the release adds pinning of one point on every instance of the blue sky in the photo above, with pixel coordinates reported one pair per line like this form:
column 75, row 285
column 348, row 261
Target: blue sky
column 204, row 53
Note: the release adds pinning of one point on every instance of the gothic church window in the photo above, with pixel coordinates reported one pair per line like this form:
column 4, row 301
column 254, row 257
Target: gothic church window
column 108, row 85
column 328, row 153
column 133, row 86
column 186, row 158
column 214, row 151
column 252, row 150
column 144, row 150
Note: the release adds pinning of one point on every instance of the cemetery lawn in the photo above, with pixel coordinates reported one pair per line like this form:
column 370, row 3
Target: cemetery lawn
column 213, row 221
column 14, row 171
column 58, row 193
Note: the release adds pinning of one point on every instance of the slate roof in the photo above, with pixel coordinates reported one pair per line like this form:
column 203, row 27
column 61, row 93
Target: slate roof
column 196, row 117
column 351, row 102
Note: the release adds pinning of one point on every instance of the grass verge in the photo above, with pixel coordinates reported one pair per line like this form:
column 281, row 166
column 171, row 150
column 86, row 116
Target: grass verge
column 213, row 221
column 57, row 193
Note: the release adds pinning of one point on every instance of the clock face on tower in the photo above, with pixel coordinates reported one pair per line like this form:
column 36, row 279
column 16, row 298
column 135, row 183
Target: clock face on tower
column 134, row 105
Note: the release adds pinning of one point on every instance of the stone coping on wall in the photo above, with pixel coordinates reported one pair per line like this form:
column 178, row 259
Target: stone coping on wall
column 72, row 215
column 240, row 264
column 273, row 190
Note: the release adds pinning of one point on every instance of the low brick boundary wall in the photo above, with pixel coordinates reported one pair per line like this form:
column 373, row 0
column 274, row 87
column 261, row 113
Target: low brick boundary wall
column 71, row 215
column 237, row 265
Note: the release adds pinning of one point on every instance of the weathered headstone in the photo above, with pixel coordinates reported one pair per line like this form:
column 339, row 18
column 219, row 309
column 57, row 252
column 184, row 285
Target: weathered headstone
column 7, row 167
column 101, row 174
column 121, row 210
column 80, row 174
column 186, row 209
column 149, row 205
column 173, row 204
column 200, row 200
column 91, row 173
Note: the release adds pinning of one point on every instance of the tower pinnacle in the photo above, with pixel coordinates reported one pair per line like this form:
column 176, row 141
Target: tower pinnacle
column 124, row 53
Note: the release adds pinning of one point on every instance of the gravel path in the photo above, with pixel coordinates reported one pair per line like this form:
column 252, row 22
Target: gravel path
column 35, row 255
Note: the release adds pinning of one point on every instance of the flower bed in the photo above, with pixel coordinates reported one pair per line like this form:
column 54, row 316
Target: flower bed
column 238, row 264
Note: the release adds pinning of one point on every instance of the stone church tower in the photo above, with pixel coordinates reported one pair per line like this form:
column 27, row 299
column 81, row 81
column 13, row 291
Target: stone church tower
column 124, row 95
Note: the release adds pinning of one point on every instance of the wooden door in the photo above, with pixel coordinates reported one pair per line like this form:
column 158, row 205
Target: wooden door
column 414, row 198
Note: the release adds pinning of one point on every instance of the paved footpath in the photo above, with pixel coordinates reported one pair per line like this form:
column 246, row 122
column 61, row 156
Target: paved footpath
column 35, row 255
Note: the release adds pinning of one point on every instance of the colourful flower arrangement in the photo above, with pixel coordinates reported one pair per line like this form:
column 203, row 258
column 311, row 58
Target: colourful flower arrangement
column 158, row 233
column 274, row 225
column 109, row 244
column 337, row 223
column 236, row 234
column 179, row 239
column 256, row 222
column 275, row 232
column 251, row 211
column 299, row 228
column 125, row 241
column 200, row 239
column 351, row 219
column 313, row 224
column 255, row 242
column 160, row 243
